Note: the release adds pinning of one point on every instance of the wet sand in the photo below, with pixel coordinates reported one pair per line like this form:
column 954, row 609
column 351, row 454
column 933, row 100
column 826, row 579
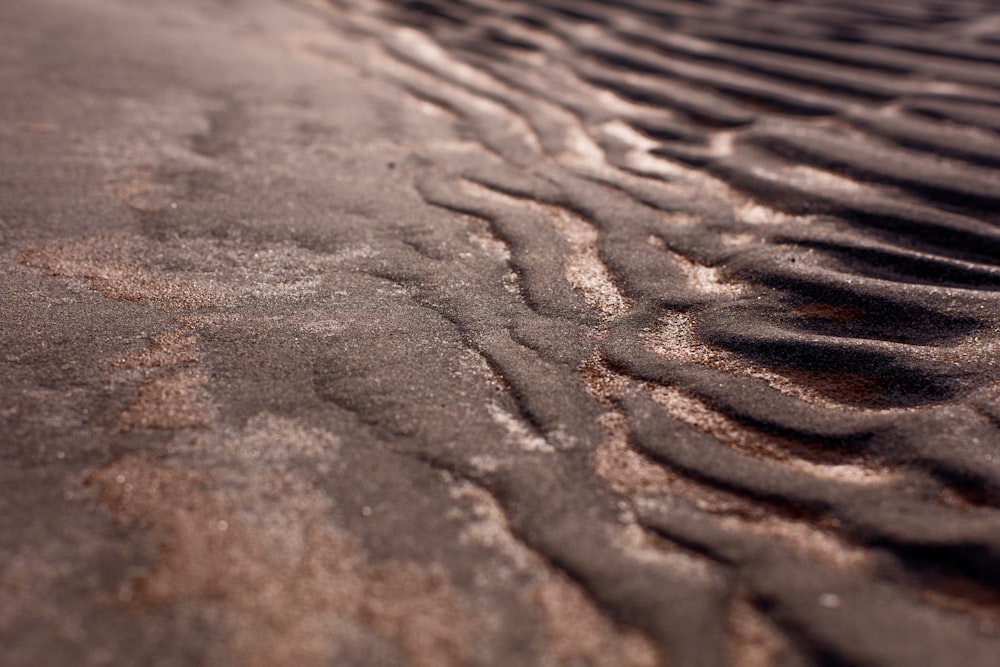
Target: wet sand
column 468, row 332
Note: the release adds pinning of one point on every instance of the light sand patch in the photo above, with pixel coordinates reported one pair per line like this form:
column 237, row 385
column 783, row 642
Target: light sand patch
column 172, row 392
column 721, row 144
column 490, row 194
column 653, row 166
column 683, row 179
column 172, row 348
column 674, row 339
column 489, row 527
column 473, row 363
column 755, row 213
column 424, row 49
column 518, row 432
column 177, row 400
column 623, row 132
column 809, row 539
column 431, row 108
column 604, row 385
column 754, row 641
column 705, row 279
column 274, row 442
column 810, row 179
column 483, row 237
column 584, row 268
column 187, row 274
column 582, row 151
column 110, row 266
column 627, row 472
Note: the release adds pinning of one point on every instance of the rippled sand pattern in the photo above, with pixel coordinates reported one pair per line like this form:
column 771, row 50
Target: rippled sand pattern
column 656, row 332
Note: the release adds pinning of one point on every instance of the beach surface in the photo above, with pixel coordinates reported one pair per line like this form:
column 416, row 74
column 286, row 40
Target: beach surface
column 473, row 332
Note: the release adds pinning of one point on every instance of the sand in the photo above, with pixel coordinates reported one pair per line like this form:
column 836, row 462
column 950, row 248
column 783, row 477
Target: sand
column 468, row 332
